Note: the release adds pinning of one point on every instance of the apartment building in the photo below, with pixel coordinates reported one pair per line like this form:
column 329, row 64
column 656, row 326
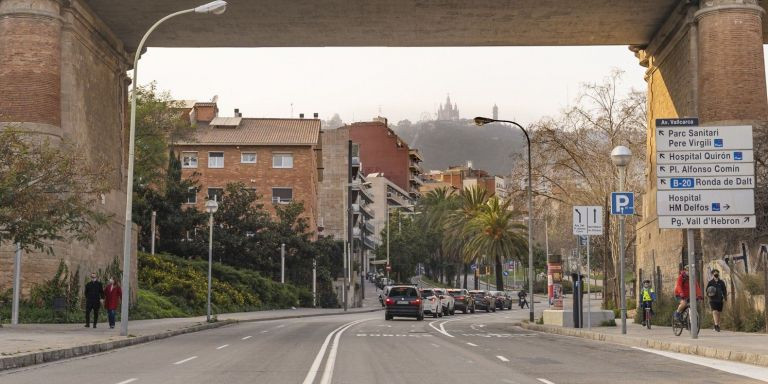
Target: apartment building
column 280, row 159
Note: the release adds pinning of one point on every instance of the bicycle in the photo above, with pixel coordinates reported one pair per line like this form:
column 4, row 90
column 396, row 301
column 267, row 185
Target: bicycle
column 648, row 316
column 684, row 322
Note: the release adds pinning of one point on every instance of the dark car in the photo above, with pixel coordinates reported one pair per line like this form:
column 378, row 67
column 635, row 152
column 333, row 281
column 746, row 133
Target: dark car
column 403, row 301
column 484, row 300
column 503, row 300
column 464, row 302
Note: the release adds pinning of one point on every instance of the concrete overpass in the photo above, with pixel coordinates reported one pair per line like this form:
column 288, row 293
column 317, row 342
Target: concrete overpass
column 63, row 67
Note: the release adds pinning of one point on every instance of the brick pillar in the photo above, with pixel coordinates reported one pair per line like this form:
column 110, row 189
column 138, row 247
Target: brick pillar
column 30, row 62
column 731, row 74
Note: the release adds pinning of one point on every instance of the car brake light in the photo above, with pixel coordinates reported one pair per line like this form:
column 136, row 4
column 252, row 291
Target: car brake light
column 416, row 302
column 390, row 301
column 460, row 297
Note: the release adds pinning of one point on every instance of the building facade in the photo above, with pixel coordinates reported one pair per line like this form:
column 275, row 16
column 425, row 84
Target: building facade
column 280, row 159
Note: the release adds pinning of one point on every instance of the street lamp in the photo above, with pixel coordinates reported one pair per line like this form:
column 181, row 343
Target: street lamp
column 620, row 156
column 480, row 121
column 211, row 206
column 217, row 8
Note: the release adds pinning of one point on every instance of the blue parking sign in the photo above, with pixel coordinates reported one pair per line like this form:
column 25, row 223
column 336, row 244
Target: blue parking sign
column 622, row 203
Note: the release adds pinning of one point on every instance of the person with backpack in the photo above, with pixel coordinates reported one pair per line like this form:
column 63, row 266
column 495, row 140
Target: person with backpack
column 647, row 297
column 716, row 293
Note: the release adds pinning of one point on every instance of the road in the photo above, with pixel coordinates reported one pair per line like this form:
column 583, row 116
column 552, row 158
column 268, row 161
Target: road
column 480, row 348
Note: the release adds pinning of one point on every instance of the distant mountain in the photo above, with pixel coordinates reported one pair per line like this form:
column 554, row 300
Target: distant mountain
column 444, row 143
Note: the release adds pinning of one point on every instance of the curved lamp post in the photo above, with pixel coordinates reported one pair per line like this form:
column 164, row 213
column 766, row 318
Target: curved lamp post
column 211, row 206
column 482, row 121
column 217, row 8
column 620, row 157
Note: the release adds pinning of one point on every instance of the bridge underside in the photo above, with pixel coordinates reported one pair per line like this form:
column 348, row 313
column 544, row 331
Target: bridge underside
column 311, row 23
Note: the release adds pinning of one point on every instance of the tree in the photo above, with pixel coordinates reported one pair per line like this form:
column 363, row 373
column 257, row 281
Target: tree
column 48, row 192
column 493, row 233
column 470, row 202
column 572, row 165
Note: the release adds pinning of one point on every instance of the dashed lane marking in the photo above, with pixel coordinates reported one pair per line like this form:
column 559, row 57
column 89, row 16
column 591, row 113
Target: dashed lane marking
column 472, row 345
column 392, row 335
column 545, row 381
column 223, row 346
column 246, row 338
column 128, row 381
column 185, row 360
column 502, row 358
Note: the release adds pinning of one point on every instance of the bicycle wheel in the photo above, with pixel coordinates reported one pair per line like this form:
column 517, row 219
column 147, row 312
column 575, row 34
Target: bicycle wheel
column 648, row 318
column 688, row 317
column 677, row 326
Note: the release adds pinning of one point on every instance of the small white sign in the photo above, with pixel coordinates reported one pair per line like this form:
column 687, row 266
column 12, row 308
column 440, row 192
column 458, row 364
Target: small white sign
column 588, row 220
column 706, row 202
column 705, row 157
column 681, row 222
column 703, row 138
column 721, row 182
column 728, row 169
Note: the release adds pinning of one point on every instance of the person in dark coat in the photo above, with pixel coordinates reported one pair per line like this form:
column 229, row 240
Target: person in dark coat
column 716, row 293
column 112, row 296
column 94, row 291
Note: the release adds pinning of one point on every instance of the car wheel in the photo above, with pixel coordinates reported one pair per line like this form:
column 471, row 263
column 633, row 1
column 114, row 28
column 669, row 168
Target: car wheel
column 434, row 314
column 472, row 310
column 439, row 313
column 494, row 309
column 487, row 309
column 420, row 317
column 387, row 317
column 464, row 311
column 453, row 311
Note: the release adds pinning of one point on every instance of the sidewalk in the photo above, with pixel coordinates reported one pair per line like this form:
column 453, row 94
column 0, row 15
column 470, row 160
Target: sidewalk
column 28, row 344
column 751, row 348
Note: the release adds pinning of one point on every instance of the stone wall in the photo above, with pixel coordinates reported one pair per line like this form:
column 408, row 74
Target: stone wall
column 63, row 75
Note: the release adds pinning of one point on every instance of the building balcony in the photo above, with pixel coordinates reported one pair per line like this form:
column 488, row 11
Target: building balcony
column 369, row 243
column 370, row 228
column 415, row 180
column 415, row 168
column 366, row 195
column 415, row 155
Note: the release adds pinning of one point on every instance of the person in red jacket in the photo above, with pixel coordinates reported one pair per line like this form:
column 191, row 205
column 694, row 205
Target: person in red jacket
column 112, row 295
column 682, row 292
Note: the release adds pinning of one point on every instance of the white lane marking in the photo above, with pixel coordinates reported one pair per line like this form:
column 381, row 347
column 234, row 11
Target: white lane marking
column 246, row 338
column 264, row 331
column 310, row 378
column 747, row 370
column 223, row 346
column 502, row 358
column 545, row 381
column 280, row 326
column 128, row 381
column 185, row 360
column 472, row 345
column 435, row 345
column 331, row 362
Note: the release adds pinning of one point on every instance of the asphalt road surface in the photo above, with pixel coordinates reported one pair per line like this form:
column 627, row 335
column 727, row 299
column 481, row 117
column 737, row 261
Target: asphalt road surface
column 364, row 348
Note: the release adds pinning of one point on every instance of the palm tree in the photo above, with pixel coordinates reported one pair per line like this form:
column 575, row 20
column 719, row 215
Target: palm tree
column 435, row 207
column 457, row 234
column 493, row 232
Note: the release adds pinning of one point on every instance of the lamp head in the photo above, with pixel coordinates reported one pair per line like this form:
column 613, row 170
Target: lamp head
column 215, row 7
column 620, row 156
column 480, row 121
column 211, row 206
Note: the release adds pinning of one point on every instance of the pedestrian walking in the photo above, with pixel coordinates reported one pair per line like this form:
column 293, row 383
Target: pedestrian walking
column 112, row 296
column 717, row 294
column 94, row 291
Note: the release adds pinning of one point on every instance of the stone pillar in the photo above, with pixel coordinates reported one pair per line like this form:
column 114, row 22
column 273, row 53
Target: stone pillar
column 705, row 61
column 30, row 62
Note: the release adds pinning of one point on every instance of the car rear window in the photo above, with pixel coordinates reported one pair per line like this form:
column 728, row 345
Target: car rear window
column 427, row 293
column 403, row 291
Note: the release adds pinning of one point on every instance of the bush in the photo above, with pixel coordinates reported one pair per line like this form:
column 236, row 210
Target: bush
column 150, row 305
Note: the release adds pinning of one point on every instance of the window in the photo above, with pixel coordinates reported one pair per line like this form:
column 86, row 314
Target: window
column 282, row 160
column 192, row 195
column 282, row 195
column 189, row 159
column 215, row 159
column 248, row 157
column 215, row 194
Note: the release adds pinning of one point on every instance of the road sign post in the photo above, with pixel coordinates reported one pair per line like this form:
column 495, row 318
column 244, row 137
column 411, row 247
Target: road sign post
column 705, row 179
column 588, row 221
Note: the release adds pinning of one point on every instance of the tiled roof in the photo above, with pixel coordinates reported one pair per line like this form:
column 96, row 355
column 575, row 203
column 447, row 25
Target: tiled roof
column 260, row 132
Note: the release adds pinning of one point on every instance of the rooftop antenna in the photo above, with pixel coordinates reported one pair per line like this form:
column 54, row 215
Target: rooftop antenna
column 291, row 110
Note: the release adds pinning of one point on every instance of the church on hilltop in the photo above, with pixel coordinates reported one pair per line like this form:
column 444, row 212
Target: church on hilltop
column 448, row 111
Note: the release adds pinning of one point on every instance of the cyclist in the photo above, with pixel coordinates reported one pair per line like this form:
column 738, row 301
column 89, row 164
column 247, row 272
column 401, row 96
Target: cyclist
column 682, row 292
column 647, row 297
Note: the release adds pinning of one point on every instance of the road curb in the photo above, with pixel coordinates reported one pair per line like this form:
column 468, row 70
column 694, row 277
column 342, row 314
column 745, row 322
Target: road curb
column 642, row 342
column 34, row 358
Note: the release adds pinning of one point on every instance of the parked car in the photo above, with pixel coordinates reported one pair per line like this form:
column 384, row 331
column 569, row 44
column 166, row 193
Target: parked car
column 404, row 301
column 449, row 304
column 432, row 303
column 383, row 294
column 484, row 300
column 463, row 301
column 502, row 300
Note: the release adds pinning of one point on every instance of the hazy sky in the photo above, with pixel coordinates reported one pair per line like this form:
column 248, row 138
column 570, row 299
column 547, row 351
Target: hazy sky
column 526, row 83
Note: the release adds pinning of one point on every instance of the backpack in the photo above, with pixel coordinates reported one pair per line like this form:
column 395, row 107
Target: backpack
column 711, row 291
